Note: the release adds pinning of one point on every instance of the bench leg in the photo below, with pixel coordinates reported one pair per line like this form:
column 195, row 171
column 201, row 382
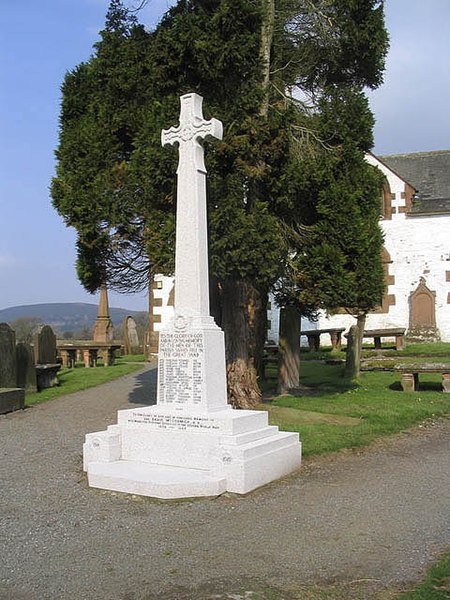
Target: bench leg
column 86, row 359
column 110, row 358
column 409, row 382
column 64, row 358
column 335, row 340
column 399, row 342
column 314, row 342
column 93, row 358
column 446, row 382
column 377, row 341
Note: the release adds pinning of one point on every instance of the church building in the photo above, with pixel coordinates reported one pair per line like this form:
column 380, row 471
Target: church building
column 416, row 223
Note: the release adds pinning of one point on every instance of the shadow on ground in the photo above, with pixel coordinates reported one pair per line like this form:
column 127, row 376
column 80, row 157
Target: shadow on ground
column 144, row 391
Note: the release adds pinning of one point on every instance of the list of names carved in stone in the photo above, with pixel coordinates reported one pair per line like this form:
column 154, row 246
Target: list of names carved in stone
column 180, row 376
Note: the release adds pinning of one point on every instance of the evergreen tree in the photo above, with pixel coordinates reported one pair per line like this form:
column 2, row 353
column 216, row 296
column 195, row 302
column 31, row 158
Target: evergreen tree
column 340, row 268
column 115, row 184
column 105, row 106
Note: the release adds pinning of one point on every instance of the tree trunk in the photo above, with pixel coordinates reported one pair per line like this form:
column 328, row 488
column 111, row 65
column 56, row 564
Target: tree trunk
column 265, row 52
column 289, row 350
column 354, row 347
column 257, row 314
column 243, row 390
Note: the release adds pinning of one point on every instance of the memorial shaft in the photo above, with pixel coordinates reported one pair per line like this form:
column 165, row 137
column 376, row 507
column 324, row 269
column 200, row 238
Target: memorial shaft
column 191, row 250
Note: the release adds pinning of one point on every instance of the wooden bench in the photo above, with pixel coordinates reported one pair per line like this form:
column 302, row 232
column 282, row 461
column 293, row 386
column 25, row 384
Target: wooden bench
column 313, row 336
column 378, row 334
column 410, row 375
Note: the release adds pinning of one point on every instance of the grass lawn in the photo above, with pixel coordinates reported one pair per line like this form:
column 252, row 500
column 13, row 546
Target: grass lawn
column 334, row 413
column 435, row 586
column 75, row 380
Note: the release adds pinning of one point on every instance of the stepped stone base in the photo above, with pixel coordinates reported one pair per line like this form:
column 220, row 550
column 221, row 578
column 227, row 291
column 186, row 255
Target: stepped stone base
column 11, row 399
column 162, row 453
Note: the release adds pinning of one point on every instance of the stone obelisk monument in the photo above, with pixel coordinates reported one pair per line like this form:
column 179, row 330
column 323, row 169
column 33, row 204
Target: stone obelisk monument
column 192, row 443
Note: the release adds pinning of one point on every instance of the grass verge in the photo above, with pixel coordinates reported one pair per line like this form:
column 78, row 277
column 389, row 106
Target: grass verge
column 435, row 586
column 78, row 379
column 333, row 413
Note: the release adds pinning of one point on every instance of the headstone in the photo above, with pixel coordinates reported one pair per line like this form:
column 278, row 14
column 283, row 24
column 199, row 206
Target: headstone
column 45, row 356
column 192, row 443
column 44, row 342
column 130, row 336
column 11, row 396
column 26, row 369
column 8, row 371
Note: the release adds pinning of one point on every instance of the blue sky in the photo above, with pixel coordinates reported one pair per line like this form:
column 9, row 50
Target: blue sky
column 41, row 40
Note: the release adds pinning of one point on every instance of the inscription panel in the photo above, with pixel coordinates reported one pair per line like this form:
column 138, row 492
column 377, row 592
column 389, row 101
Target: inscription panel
column 174, row 422
column 181, row 368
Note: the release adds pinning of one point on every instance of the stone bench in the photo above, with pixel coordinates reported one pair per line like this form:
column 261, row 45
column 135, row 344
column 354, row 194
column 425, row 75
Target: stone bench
column 313, row 336
column 410, row 375
column 377, row 334
column 89, row 351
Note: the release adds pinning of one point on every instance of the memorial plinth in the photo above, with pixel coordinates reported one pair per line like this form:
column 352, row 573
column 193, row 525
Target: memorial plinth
column 192, row 443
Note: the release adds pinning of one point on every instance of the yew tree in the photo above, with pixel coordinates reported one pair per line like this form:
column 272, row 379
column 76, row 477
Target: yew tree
column 115, row 184
column 340, row 268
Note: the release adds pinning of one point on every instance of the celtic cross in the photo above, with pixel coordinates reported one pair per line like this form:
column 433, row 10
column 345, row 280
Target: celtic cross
column 191, row 248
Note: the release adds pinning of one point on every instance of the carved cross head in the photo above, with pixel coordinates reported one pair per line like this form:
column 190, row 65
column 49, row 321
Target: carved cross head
column 192, row 128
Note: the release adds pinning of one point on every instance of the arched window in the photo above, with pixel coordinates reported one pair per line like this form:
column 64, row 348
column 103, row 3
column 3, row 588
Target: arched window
column 388, row 299
column 386, row 201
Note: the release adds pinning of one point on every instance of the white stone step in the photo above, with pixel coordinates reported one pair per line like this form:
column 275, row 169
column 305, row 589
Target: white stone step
column 250, row 436
column 158, row 481
column 247, row 475
column 224, row 422
column 282, row 439
column 243, row 421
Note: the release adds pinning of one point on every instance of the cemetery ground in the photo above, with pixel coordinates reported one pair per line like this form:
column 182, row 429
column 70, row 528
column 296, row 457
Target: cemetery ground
column 79, row 378
column 357, row 523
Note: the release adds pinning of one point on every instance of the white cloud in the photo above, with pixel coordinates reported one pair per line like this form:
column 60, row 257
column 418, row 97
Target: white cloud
column 7, row 261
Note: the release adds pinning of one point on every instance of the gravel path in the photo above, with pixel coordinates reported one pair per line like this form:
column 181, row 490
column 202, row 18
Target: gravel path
column 360, row 521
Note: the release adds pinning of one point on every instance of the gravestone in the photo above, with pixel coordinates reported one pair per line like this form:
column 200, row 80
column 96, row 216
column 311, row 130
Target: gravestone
column 8, row 372
column 11, row 396
column 44, row 342
column 26, row 369
column 45, row 356
column 130, row 336
column 192, row 443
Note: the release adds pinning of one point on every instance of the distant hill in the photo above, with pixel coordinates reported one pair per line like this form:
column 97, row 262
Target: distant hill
column 64, row 316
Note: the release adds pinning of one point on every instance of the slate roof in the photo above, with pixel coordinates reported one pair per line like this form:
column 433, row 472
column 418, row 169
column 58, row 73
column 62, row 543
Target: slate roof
column 429, row 173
